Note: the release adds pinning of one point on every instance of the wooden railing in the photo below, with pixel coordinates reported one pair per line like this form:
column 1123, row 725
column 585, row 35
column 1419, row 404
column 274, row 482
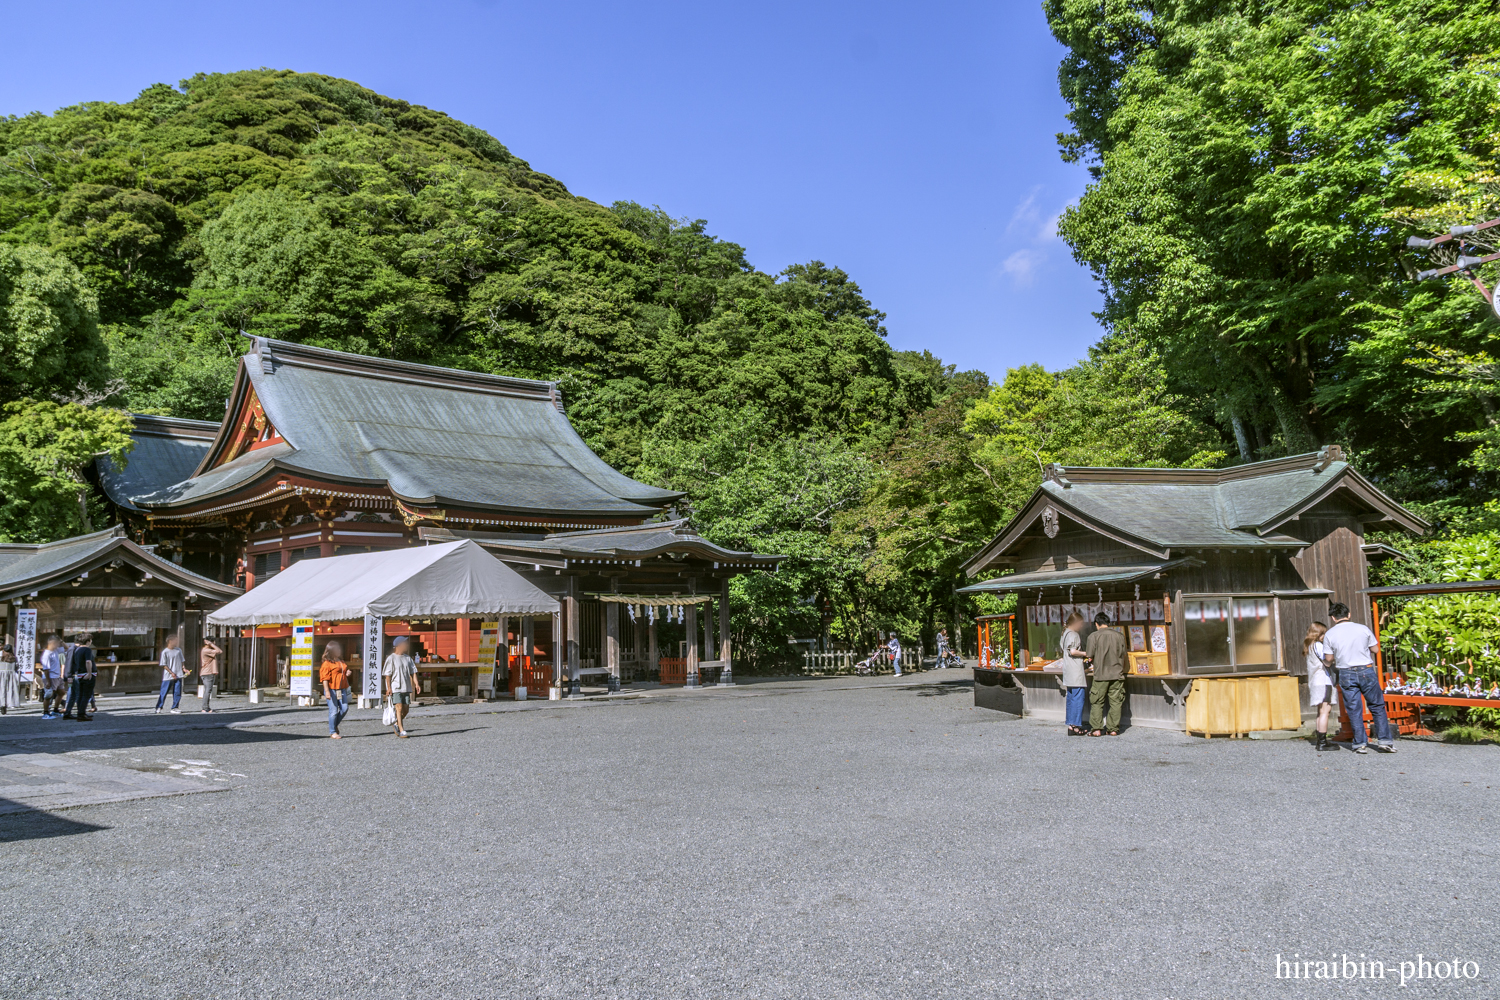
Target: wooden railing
column 843, row 661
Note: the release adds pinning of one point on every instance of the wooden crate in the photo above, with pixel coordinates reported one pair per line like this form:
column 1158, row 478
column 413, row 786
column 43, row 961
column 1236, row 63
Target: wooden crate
column 1234, row 706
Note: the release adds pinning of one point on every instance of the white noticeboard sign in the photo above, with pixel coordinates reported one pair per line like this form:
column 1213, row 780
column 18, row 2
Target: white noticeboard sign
column 26, row 644
column 489, row 644
column 302, row 657
column 373, row 655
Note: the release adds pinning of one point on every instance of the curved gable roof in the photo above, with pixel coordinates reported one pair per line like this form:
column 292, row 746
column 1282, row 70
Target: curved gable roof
column 431, row 435
column 167, row 450
column 1159, row 510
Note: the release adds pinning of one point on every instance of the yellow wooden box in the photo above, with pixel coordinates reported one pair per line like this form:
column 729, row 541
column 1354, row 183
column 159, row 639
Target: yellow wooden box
column 1148, row 664
column 1230, row 706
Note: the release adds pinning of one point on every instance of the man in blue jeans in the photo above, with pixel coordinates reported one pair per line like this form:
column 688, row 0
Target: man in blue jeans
column 173, row 669
column 1351, row 650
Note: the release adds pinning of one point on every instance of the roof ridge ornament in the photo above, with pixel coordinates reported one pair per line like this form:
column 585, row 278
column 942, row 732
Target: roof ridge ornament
column 1052, row 472
column 1327, row 455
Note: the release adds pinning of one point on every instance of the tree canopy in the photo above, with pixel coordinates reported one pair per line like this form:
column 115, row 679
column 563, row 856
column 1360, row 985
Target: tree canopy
column 1257, row 169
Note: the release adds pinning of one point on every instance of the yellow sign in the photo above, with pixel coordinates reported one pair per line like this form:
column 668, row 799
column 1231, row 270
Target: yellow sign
column 489, row 642
column 301, row 666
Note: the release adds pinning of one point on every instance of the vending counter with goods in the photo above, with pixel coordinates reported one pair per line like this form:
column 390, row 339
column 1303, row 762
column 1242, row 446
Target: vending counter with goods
column 1215, row 692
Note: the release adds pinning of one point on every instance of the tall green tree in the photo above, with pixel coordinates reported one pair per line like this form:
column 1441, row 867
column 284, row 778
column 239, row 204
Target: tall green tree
column 44, row 449
column 49, row 325
column 1257, row 168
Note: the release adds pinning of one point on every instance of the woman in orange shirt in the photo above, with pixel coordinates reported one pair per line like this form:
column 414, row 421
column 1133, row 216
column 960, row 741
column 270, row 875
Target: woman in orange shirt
column 334, row 673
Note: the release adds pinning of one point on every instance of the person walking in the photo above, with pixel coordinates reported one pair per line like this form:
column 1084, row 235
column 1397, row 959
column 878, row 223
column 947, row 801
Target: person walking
column 894, row 648
column 334, row 673
column 401, row 681
column 82, row 672
column 50, row 672
column 10, row 684
column 1074, row 675
column 1106, row 650
column 1351, row 650
column 173, row 669
column 208, row 671
column 1319, row 683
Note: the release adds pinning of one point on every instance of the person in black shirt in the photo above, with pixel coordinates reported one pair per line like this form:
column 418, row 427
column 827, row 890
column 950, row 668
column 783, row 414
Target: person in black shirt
column 81, row 675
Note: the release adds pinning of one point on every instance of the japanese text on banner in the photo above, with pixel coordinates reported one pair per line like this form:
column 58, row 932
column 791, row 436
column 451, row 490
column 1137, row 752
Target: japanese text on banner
column 489, row 640
column 301, row 665
column 26, row 644
column 374, row 625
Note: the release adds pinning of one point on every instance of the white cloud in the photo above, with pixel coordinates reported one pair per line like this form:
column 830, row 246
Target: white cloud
column 1048, row 230
column 1021, row 266
column 1026, row 214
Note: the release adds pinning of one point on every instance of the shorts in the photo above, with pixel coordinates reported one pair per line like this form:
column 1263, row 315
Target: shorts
column 1319, row 692
column 401, row 698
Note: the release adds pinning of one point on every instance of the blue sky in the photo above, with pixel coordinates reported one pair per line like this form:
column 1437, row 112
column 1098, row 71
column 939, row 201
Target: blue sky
column 910, row 144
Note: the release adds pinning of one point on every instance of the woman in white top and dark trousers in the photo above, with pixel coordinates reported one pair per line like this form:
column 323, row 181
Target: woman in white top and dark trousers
column 1319, row 683
column 1075, row 679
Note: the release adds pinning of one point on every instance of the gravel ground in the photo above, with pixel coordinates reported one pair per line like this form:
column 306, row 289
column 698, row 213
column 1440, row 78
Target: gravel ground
column 853, row 838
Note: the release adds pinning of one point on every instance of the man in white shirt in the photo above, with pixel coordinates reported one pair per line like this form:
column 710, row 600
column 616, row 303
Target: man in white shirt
column 53, row 690
column 1351, row 650
column 401, row 681
column 173, row 669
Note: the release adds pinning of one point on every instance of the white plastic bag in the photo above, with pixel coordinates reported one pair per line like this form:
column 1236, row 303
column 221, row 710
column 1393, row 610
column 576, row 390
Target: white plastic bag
column 388, row 717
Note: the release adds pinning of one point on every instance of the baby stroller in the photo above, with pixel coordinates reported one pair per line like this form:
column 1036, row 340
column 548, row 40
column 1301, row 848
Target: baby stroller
column 866, row 667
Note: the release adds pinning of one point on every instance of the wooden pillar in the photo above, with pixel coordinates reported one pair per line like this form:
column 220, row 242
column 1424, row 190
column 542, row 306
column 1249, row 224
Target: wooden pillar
column 653, row 654
column 325, row 544
column 528, row 649
column 612, row 644
column 461, row 629
column 727, row 677
column 574, row 631
column 692, row 646
column 559, row 647
column 708, row 631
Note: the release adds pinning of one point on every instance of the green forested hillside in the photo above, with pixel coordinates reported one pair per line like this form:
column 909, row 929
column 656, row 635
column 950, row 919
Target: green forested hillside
column 309, row 208
column 1257, row 168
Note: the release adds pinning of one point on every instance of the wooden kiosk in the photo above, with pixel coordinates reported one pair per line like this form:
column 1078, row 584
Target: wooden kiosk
column 1213, row 575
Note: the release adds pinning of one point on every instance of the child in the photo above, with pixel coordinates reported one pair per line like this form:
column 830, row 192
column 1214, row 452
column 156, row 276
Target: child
column 1319, row 684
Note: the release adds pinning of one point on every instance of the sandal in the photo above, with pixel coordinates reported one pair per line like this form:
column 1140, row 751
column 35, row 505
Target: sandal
column 1113, row 732
column 1097, row 732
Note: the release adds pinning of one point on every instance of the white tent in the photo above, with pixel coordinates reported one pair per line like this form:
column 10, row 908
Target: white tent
column 452, row 580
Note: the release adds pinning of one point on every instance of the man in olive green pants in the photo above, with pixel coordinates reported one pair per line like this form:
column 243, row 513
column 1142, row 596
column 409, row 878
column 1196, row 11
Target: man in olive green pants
column 1106, row 651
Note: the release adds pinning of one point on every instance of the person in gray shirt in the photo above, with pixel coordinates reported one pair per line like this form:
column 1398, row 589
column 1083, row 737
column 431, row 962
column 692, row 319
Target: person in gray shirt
column 401, row 681
column 173, row 670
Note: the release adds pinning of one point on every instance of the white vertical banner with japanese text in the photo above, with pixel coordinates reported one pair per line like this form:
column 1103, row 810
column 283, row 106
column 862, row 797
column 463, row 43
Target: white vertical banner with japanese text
column 373, row 655
column 26, row 644
column 489, row 642
column 302, row 658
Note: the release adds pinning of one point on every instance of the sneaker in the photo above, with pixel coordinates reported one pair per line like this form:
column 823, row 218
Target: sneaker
column 156, row 711
column 1362, row 748
column 176, row 711
column 47, row 715
column 1385, row 748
